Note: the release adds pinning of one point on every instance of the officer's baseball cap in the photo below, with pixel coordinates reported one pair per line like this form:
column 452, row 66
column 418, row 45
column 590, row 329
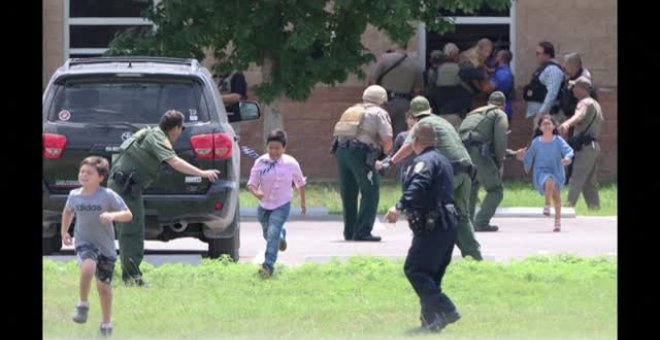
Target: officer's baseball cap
column 497, row 98
column 420, row 106
column 582, row 82
column 375, row 94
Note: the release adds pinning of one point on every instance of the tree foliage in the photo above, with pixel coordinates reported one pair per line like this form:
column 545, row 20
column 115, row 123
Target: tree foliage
column 308, row 41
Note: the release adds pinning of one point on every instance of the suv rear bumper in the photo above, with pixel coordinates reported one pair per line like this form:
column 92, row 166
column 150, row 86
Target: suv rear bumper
column 169, row 209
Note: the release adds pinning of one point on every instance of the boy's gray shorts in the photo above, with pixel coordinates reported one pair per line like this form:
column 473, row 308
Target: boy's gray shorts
column 105, row 266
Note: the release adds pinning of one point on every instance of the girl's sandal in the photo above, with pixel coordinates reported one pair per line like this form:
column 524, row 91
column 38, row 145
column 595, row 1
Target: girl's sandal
column 546, row 210
column 557, row 226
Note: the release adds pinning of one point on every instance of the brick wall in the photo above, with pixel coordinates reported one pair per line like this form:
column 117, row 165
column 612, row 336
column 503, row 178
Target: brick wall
column 309, row 126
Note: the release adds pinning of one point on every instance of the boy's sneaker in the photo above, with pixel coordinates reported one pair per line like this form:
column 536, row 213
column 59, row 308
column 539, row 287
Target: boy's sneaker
column 452, row 316
column 265, row 271
column 80, row 315
column 105, row 331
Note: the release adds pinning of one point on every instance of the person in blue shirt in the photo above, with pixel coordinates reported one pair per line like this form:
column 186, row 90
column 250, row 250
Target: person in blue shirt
column 547, row 156
column 502, row 80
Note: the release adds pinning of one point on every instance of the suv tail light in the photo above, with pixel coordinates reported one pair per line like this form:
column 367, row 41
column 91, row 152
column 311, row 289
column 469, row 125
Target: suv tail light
column 215, row 146
column 53, row 145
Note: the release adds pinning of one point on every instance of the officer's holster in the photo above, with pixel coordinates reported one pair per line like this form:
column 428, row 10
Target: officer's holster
column 469, row 169
column 125, row 181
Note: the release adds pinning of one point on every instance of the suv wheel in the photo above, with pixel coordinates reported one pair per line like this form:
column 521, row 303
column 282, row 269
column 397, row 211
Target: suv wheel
column 51, row 244
column 229, row 246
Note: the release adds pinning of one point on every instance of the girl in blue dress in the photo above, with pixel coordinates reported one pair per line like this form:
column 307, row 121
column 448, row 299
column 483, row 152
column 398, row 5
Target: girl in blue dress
column 547, row 156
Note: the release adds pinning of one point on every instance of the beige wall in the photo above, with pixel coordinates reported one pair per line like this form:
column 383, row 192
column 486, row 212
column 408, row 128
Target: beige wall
column 585, row 26
column 53, row 35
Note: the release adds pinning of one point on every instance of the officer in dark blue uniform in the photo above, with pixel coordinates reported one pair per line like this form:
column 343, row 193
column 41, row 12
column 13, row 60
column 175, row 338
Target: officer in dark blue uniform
column 429, row 205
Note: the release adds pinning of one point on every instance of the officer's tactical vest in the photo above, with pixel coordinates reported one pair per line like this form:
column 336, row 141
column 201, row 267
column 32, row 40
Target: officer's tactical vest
column 350, row 122
column 448, row 76
column 474, row 120
column 536, row 91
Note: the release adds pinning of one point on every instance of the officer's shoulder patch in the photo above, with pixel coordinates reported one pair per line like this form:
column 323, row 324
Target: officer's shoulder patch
column 167, row 143
column 419, row 167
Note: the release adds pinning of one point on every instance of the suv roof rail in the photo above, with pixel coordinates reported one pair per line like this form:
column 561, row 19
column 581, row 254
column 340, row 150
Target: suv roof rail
column 194, row 64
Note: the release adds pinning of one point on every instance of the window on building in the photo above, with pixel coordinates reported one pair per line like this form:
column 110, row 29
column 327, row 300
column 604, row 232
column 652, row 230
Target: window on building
column 90, row 25
column 498, row 26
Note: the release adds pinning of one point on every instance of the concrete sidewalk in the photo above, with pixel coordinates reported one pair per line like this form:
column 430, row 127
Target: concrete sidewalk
column 322, row 212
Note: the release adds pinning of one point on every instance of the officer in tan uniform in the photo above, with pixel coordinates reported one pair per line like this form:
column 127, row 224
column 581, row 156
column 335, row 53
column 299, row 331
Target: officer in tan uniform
column 587, row 122
column 402, row 77
column 362, row 134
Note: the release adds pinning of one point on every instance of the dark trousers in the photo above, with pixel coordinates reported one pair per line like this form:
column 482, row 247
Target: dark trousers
column 355, row 177
column 428, row 258
column 569, row 168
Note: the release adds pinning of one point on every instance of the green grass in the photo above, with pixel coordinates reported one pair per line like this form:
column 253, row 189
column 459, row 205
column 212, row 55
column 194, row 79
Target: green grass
column 516, row 194
column 538, row 298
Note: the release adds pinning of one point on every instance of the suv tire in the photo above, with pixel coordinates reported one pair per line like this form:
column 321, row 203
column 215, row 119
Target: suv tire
column 229, row 246
column 51, row 244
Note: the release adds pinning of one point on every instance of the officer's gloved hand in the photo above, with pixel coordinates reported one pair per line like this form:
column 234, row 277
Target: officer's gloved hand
column 384, row 164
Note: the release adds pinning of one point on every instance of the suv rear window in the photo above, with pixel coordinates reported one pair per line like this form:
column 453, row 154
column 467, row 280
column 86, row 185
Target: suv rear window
column 141, row 101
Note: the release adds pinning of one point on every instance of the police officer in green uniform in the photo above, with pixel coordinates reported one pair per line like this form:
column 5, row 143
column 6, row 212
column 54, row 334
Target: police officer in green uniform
column 450, row 146
column 361, row 135
column 133, row 170
column 483, row 133
column 429, row 206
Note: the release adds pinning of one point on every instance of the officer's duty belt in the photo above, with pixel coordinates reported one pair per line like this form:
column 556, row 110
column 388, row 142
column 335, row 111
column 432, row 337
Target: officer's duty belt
column 392, row 95
column 470, row 143
column 353, row 144
column 459, row 167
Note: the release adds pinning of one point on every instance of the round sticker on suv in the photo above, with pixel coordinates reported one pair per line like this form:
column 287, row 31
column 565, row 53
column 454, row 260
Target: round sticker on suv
column 64, row 115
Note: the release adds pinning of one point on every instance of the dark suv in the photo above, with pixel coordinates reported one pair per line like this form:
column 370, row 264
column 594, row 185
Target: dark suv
column 91, row 105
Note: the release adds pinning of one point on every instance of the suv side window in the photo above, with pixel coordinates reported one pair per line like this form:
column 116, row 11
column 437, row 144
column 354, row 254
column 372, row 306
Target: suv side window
column 142, row 101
